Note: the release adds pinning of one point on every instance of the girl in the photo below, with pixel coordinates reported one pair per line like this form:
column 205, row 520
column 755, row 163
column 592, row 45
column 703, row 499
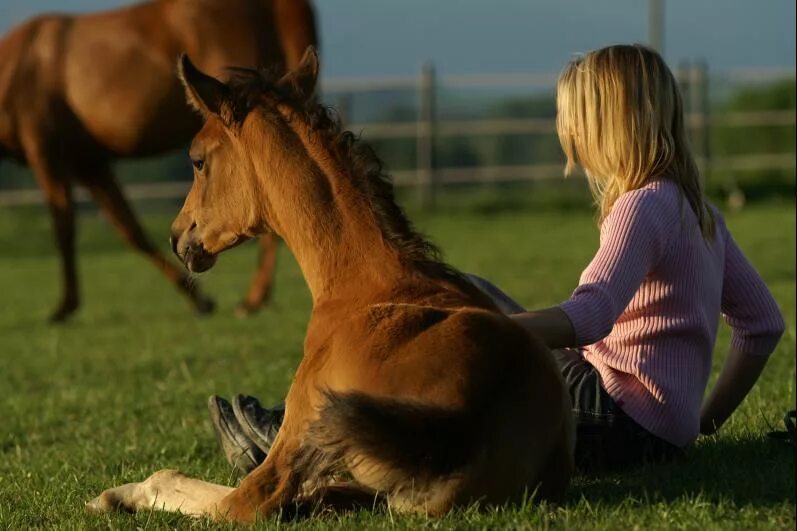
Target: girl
column 635, row 339
column 644, row 316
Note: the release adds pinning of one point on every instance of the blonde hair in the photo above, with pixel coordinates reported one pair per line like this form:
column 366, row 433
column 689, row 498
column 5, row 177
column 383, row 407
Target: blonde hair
column 620, row 117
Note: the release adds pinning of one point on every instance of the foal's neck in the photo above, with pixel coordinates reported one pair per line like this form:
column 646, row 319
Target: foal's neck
column 329, row 224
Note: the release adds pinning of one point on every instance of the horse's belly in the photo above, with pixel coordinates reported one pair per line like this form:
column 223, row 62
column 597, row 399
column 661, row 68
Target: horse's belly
column 137, row 128
column 126, row 94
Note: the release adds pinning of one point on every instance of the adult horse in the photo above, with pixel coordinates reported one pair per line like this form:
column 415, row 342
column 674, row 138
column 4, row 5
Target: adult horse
column 79, row 91
column 413, row 384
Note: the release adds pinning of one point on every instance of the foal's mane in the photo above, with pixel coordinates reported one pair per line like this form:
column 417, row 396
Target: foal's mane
column 246, row 90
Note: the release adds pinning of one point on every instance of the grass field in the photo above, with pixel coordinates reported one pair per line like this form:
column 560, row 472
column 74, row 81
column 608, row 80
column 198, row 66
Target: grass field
column 121, row 390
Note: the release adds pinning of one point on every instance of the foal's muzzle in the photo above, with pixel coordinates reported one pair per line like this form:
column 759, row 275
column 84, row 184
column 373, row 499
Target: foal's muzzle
column 190, row 251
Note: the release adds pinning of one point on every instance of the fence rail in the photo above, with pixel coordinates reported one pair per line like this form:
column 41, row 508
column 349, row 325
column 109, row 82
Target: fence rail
column 427, row 128
column 525, row 126
column 519, row 80
column 406, row 178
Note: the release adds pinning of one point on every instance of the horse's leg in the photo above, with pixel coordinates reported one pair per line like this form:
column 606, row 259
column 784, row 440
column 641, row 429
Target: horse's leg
column 57, row 190
column 165, row 490
column 261, row 285
column 106, row 192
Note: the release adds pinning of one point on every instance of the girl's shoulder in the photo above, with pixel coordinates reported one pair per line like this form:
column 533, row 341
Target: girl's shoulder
column 663, row 192
column 645, row 218
column 661, row 206
column 659, row 202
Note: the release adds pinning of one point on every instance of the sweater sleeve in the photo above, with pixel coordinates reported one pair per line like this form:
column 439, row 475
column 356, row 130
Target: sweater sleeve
column 634, row 237
column 747, row 305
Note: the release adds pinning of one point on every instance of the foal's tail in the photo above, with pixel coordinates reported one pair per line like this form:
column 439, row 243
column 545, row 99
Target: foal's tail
column 409, row 442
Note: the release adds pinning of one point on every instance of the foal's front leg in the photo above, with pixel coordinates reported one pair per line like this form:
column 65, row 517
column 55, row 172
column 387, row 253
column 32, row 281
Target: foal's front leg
column 270, row 487
column 165, row 490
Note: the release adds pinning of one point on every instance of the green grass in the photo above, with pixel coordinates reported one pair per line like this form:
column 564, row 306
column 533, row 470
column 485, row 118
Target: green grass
column 120, row 391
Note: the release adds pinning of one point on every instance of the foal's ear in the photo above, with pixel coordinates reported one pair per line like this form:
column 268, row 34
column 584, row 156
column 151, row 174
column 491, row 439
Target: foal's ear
column 301, row 81
column 204, row 93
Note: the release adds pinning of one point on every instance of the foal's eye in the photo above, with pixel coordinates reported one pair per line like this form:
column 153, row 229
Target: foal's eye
column 198, row 164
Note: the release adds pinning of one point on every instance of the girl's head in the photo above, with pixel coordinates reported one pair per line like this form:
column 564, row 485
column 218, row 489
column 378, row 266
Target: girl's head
column 620, row 117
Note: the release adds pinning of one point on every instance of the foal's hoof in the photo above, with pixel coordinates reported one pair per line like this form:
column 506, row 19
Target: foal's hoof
column 106, row 502
column 204, row 305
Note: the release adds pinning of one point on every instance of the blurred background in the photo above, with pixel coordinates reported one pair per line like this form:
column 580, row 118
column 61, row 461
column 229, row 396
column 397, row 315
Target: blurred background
column 460, row 94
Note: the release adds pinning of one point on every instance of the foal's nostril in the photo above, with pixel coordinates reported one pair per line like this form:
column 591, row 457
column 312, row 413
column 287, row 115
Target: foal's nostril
column 192, row 227
column 173, row 243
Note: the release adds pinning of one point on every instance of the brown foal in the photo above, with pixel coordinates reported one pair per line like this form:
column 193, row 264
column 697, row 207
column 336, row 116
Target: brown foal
column 413, row 389
column 79, row 91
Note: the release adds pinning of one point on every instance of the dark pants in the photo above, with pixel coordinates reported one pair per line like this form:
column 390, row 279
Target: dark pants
column 606, row 438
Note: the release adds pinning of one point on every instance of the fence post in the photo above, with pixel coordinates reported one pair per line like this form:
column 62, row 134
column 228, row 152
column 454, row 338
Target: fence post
column 682, row 77
column 656, row 25
column 426, row 137
column 344, row 108
column 700, row 111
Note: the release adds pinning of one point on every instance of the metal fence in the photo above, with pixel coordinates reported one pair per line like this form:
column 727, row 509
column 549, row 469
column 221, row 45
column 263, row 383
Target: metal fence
column 428, row 178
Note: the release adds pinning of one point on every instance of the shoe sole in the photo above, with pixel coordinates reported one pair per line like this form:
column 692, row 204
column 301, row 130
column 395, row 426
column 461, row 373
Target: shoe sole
column 247, row 428
column 239, row 450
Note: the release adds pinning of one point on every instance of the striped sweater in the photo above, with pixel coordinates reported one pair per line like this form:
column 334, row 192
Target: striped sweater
column 647, row 308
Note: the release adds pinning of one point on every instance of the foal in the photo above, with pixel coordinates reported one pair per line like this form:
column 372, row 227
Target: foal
column 413, row 386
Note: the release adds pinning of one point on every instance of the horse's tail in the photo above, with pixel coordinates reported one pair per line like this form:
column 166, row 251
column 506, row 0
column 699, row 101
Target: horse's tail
column 408, row 442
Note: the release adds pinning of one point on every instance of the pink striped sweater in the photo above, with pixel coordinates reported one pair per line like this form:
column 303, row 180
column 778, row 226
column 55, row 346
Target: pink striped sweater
column 647, row 308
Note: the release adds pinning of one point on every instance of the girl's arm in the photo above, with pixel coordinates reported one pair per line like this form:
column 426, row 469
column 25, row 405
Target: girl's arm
column 634, row 236
column 750, row 310
column 551, row 325
column 738, row 375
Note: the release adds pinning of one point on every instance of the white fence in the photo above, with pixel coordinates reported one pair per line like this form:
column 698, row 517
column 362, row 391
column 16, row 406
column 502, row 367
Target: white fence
column 427, row 128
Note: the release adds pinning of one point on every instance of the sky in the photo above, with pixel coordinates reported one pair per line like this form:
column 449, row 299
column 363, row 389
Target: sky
column 394, row 37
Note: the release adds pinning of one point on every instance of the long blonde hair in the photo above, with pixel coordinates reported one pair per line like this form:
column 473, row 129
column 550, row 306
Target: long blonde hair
column 620, row 117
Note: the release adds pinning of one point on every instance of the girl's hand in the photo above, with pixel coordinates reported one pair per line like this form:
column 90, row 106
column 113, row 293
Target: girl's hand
column 551, row 325
column 707, row 427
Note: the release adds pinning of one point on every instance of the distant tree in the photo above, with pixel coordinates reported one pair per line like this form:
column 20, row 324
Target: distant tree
column 732, row 141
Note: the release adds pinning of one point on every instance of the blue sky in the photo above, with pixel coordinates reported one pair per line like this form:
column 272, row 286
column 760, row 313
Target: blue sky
column 371, row 37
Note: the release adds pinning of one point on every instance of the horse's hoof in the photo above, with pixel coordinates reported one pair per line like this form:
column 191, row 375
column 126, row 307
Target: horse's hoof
column 244, row 310
column 204, row 305
column 63, row 313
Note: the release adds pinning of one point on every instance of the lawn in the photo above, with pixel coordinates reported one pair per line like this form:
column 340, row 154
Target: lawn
column 120, row 391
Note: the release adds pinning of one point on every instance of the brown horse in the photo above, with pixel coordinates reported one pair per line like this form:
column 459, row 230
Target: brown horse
column 413, row 385
column 78, row 91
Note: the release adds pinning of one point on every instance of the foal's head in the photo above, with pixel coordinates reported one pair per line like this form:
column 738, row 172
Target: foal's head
column 228, row 202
